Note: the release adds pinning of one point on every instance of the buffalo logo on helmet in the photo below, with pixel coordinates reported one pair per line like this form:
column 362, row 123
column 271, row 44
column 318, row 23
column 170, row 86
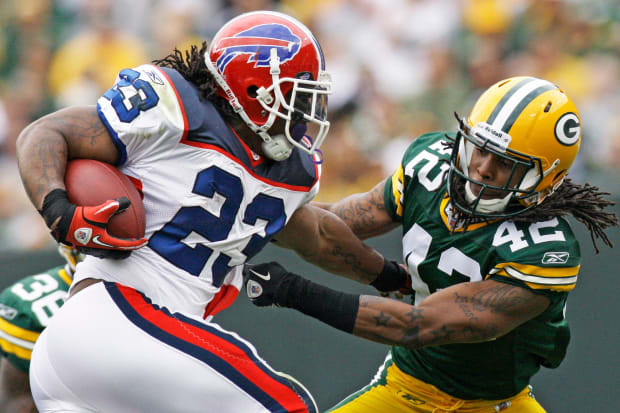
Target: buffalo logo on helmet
column 257, row 42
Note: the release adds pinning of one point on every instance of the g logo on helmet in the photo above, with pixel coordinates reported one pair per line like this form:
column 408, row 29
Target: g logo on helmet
column 257, row 43
column 568, row 129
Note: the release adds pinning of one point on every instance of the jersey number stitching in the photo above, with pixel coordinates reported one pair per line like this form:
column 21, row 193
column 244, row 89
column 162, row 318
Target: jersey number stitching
column 44, row 305
column 418, row 242
column 130, row 95
column 181, row 240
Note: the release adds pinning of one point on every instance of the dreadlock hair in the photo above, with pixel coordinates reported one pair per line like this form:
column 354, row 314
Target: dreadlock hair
column 192, row 67
column 586, row 203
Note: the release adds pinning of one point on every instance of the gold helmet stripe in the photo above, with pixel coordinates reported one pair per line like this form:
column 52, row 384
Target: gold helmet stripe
column 515, row 100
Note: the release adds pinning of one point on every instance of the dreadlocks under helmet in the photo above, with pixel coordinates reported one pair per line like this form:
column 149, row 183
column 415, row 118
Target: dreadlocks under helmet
column 192, row 67
column 586, row 203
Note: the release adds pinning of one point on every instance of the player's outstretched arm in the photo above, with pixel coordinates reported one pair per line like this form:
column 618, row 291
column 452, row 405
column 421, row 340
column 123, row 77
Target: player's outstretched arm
column 15, row 396
column 464, row 313
column 364, row 213
column 322, row 238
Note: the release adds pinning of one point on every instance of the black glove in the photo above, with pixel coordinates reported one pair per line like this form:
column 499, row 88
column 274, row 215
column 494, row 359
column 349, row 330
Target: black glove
column 263, row 282
column 269, row 284
column 393, row 278
column 85, row 227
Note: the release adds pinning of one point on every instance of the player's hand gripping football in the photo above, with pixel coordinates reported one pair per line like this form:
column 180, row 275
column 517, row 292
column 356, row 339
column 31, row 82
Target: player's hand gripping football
column 263, row 281
column 85, row 227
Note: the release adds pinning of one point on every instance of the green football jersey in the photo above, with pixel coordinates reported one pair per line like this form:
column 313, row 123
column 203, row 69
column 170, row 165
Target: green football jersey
column 542, row 256
column 25, row 310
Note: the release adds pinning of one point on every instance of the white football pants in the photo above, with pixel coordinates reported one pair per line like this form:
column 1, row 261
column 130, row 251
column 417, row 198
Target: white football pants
column 109, row 349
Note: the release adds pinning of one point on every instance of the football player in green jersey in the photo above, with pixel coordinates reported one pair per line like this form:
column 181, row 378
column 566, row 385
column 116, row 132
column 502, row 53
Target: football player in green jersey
column 490, row 256
column 25, row 309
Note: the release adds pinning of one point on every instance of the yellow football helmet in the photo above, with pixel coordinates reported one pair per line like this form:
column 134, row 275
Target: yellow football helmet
column 71, row 255
column 530, row 123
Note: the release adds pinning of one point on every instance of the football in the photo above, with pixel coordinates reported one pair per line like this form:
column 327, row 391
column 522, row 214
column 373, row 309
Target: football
column 91, row 182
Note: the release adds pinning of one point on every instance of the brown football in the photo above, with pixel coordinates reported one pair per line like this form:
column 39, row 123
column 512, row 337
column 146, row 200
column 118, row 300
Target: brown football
column 91, row 182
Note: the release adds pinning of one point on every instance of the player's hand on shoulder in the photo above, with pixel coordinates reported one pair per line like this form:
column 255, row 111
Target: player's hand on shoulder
column 85, row 227
column 263, row 281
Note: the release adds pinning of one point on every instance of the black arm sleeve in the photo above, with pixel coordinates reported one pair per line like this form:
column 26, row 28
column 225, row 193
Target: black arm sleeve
column 332, row 307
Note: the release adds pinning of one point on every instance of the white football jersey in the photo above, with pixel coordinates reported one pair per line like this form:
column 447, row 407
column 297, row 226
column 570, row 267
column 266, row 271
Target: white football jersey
column 210, row 202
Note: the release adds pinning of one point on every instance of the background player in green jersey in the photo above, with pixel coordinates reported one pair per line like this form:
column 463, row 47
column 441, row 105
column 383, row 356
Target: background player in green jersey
column 490, row 256
column 25, row 309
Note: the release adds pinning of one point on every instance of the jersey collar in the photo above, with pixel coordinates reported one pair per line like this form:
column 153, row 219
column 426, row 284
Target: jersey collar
column 255, row 159
column 446, row 210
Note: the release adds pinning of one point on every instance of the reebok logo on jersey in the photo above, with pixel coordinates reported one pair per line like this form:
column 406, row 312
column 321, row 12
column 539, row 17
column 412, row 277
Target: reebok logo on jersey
column 6, row 312
column 253, row 289
column 555, row 257
column 154, row 77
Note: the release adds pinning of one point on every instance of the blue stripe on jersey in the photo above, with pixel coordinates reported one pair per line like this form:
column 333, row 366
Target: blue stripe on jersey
column 207, row 126
column 121, row 156
column 212, row 359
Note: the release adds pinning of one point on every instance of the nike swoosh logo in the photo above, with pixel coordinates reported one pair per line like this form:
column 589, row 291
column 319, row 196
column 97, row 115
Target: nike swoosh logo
column 264, row 277
column 106, row 207
column 103, row 244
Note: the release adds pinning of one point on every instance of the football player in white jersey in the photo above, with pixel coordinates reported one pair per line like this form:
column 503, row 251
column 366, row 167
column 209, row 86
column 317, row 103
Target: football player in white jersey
column 216, row 140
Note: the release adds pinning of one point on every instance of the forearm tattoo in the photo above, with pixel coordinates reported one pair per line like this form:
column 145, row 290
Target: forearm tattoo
column 48, row 154
column 382, row 319
column 395, row 323
column 348, row 258
column 358, row 211
column 400, row 329
column 360, row 267
column 500, row 299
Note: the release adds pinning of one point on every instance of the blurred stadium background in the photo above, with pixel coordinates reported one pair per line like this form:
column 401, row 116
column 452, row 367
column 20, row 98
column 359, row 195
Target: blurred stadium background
column 401, row 68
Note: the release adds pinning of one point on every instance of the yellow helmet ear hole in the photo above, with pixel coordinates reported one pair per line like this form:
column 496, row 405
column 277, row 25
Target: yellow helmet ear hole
column 555, row 184
column 558, row 178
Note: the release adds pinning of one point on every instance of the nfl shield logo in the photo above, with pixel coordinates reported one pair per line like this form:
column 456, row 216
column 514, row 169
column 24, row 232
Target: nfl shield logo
column 253, row 289
column 82, row 235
